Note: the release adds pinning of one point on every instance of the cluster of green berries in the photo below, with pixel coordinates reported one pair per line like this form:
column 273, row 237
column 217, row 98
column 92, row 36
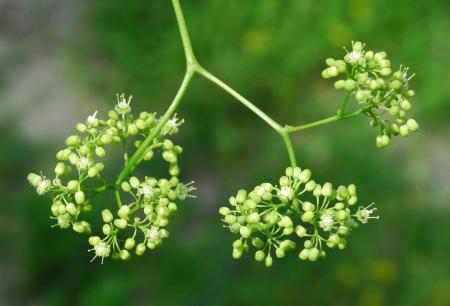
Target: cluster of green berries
column 275, row 218
column 80, row 166
column 368, row 76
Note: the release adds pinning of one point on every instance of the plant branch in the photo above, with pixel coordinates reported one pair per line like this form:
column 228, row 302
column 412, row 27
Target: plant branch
column 292, row 129
column 209, row 76
column 140, row 152
column 187, row 46
column 289, row 147
column 344, row 105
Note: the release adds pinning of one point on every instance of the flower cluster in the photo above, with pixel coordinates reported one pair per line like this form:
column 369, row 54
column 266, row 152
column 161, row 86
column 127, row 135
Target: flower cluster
column 272, row 217
column 146, row 216
column 368, row 76
column 78, row 178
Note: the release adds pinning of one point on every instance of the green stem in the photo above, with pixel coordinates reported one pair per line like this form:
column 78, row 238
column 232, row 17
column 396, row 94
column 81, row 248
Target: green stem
column 187, row 46
column 277, row 127
column 289, row 147
column 140, row 152
column 192, row 67
column 118, row 200
column 292, row 129
column 344, row 105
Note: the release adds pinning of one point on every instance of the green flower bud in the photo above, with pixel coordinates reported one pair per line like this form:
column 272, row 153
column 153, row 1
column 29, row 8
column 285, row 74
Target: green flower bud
column 352, row 200
column 120, row 223
column 224, row 211
column 241, row 196
column 404, row 130
column 107, row 216
column 330, row 62
column 134, row 182
column 253, row 218
column 410, row 93
column 310, row 186
column 279, row 253
column 100, row 152
column 174, row 170
column 307, row 216
column 340, row 66
column 237, row 253
column 123, row 211
column 245, row 231
column 34, row 179
column 339, row 84
column 106, row 139
column 230, row 219
column 268, row 261
column 124, row 255
column 395, row 84
column 259, row 255
column 258, row 243
column 58, row 209
column 133, row 129
column 60, row 168
column 140, row 249
column 81, row 127
column 73, row 140
column 93, row 240
column 412, row 125
column 405, row 105
column 386, row 71
column 327, row 189
column 342, row 244
column 106, row 229
column 350, row 85
column 83, row 150
column 330, row 72
column 169, row 157
column 313, row 254
column 71, row 209
column 129, row 243
column 285, row 222
column 72, row 185
column 125, row 186
column 304, row 254
column 79, row 197
column 300, row 231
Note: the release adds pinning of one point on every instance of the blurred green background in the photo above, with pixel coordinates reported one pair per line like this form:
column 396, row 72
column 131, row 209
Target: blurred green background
column 62, row 59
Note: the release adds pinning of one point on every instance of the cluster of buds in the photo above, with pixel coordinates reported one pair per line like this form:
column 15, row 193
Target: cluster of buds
column 385, row 94
column 79, row 167
column 151, row 206
column 274, row 219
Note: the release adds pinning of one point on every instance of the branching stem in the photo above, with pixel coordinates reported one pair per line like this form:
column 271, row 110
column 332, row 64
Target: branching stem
column 192, row 68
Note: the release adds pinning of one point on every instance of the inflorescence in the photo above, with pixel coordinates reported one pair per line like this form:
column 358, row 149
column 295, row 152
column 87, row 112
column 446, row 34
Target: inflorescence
column 298, row 213
column 272, row 217
column 148, row 203
column 368, row 76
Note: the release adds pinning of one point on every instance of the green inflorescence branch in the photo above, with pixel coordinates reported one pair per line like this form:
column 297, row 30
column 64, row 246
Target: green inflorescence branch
column 193, row 67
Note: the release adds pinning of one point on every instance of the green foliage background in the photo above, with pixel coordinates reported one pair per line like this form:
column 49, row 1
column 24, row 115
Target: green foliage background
column 272, row 52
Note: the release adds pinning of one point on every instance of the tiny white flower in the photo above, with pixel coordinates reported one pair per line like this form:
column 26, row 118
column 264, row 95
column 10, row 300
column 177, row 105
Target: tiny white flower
column 84, row 163
column 153, row 234
column 286, row 192
column 353, row 57
column 123, row 105
column 364, row 214
column 43, row 186
column 92, row 120
column 326, row 222
column 146, row 190
column 101, row 249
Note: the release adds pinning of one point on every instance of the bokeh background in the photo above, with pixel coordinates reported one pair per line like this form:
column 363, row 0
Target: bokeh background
column 62, row 59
